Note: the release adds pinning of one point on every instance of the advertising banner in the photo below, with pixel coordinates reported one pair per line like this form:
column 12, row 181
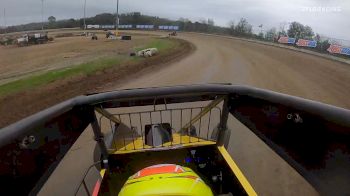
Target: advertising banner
column 286, row 40
column 125, row 26
column 306, row 43
column 144, row 26
column 337, row 49
column 93, row 26
column 107, row 26
column 172, row 28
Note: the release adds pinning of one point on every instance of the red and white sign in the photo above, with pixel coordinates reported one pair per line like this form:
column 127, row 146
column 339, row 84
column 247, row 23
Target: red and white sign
column 336, row 49
column 286, row 40
column 306, row 43
column 283, row 40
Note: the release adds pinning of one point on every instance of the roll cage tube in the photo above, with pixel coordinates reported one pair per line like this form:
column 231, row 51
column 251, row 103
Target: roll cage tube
column 309, row 135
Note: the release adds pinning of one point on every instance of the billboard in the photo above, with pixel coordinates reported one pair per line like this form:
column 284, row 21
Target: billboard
column 93, row 26
column 171, row 28
column 144, row 26
column 124, row 26
column 337, row 49
column 286, row 40
column 107, row 26
column 306, row 43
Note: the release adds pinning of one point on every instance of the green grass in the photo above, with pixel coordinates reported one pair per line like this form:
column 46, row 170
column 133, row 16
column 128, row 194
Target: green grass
column 160, row 44
column 88, row 68
column 45, row 78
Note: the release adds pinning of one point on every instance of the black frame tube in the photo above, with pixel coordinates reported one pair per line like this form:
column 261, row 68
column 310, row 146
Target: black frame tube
column 138, row 97
column 222, row 129
column 330, row 113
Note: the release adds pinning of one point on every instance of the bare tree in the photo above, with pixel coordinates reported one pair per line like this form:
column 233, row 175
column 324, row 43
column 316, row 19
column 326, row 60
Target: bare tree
column 243, row 28
column 271, row 34
column 231, row 26
column 281, row 31
column 210, row 22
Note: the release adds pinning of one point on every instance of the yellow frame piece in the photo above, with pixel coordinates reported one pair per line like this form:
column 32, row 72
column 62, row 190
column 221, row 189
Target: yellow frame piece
column 102, row 173
column 186, row 141
column 178, row 140
column 238, row 173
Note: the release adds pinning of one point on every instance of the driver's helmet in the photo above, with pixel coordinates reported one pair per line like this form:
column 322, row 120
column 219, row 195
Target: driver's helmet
column 165, row 179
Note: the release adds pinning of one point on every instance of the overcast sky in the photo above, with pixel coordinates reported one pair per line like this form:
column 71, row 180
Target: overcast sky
column 327, row 17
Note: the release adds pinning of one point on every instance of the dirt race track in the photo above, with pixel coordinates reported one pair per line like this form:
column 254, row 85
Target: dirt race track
column 17, row 62
column 238, row 62
column 223, row 60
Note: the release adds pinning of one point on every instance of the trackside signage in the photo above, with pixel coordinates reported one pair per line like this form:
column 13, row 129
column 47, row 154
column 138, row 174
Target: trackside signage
column 306, row 43
column 337, row 49
column 144, row 26
column 286, row 40
column 124, row 26
column 333, row 48
column 107, row 26
column 168, row 28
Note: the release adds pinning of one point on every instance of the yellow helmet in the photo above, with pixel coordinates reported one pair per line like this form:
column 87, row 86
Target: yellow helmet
column 165, row 179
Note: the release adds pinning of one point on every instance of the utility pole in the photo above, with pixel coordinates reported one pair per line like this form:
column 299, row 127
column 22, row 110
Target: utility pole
column 5, row 27
column 84, row 15
column 42, row 15
column 117, row 20
column 260, row 26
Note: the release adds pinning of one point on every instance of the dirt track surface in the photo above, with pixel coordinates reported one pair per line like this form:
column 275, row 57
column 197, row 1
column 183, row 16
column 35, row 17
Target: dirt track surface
column 17, row 62
column 34, row 100
column 226, row 60
column 223, row 60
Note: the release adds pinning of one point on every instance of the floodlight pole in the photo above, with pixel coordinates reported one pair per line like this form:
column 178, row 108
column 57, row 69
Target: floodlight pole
column 84, row 15
column 42, row 15
column 117, row 20
column 5, row 27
